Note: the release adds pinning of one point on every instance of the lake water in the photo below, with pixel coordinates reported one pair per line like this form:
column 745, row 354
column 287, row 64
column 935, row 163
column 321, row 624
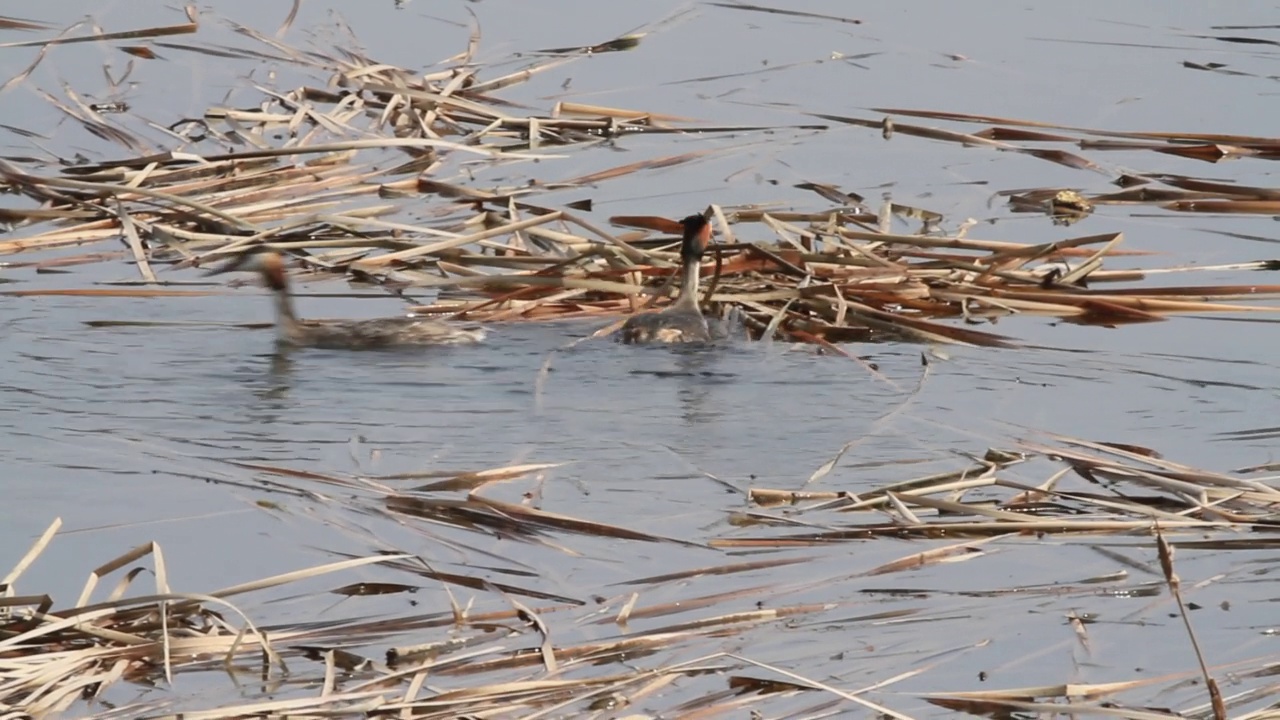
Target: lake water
column 131, row 434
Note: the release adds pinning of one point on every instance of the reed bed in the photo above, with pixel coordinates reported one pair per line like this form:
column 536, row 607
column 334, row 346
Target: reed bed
column 518, row 647
column 370, row 174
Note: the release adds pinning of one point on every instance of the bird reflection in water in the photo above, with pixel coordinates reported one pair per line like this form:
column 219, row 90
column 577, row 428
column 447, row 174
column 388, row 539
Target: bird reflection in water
column 696, row 382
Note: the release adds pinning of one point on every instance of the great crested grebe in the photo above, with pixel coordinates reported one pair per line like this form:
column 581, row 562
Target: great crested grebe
column 344, row 334
column 682, row 321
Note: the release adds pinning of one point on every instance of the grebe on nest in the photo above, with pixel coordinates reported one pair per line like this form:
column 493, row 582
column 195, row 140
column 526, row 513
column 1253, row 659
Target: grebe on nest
column 345, row 334
column 682, row 322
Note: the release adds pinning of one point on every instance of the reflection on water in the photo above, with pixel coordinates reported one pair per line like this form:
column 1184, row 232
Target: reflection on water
column 274, row 391
column 695, row 379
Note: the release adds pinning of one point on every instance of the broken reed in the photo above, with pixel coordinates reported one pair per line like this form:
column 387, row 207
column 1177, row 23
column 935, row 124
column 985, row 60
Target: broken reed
column 326, row 173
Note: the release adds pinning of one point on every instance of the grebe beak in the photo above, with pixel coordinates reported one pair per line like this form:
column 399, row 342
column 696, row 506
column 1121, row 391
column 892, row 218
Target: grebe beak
column 237, row 263
column 257, row 259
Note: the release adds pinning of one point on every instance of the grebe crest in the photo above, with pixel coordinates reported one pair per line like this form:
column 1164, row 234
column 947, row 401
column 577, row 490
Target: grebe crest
column 372, row 334
column 682, row 321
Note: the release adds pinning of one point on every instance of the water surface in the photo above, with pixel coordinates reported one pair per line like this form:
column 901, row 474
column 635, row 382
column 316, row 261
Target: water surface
column 131, row 434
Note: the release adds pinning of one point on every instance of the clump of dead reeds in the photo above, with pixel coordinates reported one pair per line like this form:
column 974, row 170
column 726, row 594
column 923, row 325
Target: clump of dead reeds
column 324, row 172
column 1179, row 498
column 501, row 647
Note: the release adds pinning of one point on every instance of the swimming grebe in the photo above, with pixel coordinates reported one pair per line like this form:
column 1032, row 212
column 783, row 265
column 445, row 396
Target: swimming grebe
column 682, row 322
column 345, row 334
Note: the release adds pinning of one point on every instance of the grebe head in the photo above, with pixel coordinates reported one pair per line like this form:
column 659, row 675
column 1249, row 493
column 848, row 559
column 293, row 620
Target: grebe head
column 697, row 235
column 272, row 269
column 268, row 263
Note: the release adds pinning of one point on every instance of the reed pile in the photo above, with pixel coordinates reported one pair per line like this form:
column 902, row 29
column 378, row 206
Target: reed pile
column 505, row 641
column 374, row 173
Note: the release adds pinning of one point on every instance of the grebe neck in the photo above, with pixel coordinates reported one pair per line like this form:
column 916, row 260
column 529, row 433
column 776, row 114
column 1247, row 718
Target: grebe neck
column 287, row 324
column 690, row 270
